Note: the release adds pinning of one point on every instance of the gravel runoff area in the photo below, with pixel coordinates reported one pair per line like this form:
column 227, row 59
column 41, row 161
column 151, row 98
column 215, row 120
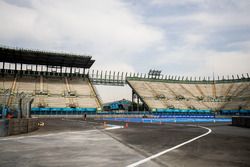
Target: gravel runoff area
column 68, row 142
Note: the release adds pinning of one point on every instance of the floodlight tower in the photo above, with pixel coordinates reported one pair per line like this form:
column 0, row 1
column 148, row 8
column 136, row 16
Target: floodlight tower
column 154, row 74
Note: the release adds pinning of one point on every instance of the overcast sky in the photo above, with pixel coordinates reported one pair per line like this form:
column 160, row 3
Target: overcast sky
column 186, row 37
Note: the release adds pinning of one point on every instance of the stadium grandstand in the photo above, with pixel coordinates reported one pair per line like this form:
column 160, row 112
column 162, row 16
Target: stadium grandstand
column 61, row 84
column 176, row 95
column 55, row 83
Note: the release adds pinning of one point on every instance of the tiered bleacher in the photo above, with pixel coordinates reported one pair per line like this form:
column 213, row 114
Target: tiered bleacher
column 186, row 96
column 57, row 82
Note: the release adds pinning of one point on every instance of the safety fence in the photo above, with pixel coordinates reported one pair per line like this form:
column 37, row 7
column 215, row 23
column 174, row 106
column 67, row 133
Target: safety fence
column 169, row 120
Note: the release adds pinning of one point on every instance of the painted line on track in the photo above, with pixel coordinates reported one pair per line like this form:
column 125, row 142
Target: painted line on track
column 113, row 127
column 172, row 148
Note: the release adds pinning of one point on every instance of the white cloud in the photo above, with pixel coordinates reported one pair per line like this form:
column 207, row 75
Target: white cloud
column 201, row 62
column 206, row 39
column 114, row 66
column 178, row 37
column 108, row 30
column 105, row 28
column 219, row 19
column 228, row 63
column 176, row 3
column 194, row 40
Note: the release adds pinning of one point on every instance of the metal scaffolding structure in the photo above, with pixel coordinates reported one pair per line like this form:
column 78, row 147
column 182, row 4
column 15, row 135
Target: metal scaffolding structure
column 15, row 60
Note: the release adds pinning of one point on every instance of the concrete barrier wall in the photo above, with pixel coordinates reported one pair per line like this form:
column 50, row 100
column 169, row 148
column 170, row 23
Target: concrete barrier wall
column 18, row 126
column 241, row 121
column 4, row 124
column 32, row 124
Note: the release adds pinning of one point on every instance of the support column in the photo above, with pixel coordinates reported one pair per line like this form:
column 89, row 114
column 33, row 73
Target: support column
column 133, row 100
column 15, row 68
column 19, row 108
column 29, row 108
column 47, row 70
column 2, row 70
column 21, row 72
column 61, row 70
column 70, row 71
column 138, row 105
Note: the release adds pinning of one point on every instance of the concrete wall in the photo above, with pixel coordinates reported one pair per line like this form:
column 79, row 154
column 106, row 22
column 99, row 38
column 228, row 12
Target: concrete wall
column 18, row 126
column 4, row 127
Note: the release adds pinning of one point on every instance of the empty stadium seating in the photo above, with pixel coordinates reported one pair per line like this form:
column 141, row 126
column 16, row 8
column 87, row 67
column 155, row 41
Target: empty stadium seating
column 81, row 86
column 55, row 86
column 26, row 84
column 179, row 96
column 53, row 93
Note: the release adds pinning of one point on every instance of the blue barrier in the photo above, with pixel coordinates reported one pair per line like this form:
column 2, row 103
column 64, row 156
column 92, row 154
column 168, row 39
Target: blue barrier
column 235, row 112
column 80, row 111
column 181, row 111
column 62, row 111
column 169, row 120
column 245, row 111
column 160, row 113
column 186, row 116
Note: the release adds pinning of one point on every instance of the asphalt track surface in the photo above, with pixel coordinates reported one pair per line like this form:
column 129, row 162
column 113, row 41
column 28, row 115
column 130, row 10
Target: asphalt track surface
column 64, row 142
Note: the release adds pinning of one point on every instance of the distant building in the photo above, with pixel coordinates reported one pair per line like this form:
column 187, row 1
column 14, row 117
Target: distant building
column 123, row 104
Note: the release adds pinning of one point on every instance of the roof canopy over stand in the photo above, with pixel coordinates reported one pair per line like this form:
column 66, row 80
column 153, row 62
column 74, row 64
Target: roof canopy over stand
column 23, row 56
